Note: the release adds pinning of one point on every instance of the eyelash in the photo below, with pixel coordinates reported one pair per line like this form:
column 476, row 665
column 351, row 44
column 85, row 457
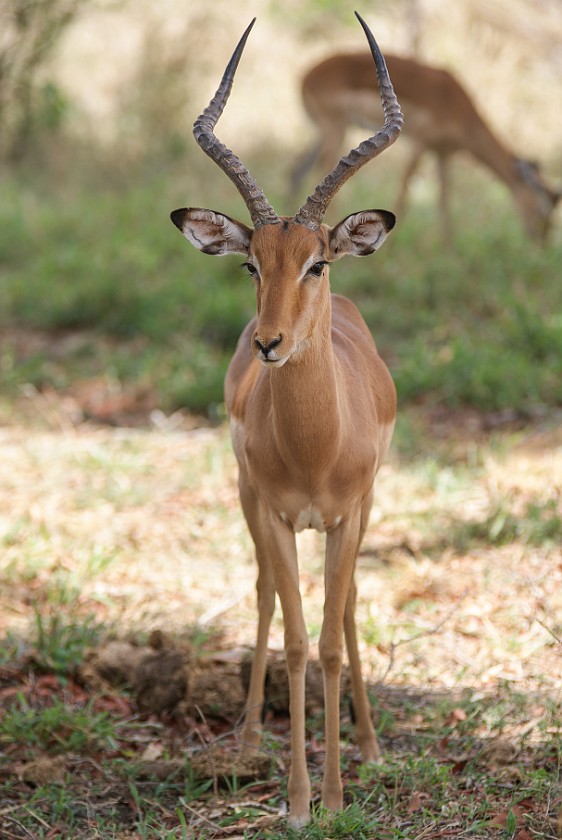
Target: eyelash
column 319, row 266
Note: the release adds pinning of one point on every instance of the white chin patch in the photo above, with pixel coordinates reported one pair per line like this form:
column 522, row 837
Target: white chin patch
column 271, row 363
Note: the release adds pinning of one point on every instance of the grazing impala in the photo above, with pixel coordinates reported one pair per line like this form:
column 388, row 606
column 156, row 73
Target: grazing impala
column 440, row 118
column 312, row 409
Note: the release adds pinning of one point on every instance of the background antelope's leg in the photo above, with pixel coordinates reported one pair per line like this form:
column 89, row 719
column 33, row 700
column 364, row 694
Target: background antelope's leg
column 365, row 736
column 332, row 132
column 251, row 731
column 283, row 553
column 409, row 172
column 302, row 166
column 341, row 549
column 325, row 151
column 444, row 192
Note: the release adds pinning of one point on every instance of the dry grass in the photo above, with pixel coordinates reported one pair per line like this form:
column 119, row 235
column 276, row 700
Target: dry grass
column 146, row 526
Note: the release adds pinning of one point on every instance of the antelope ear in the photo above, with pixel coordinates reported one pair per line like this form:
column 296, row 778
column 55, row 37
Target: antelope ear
column 212, row 233
column 361, row 233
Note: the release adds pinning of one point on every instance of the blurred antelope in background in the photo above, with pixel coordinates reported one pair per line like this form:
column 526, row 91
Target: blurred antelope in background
column 312, row 409
column 440, row 118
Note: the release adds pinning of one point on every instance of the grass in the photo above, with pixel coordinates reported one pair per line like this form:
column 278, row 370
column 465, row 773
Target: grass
column 58, row 728
column 60, row 645
column 442, row 777
column 122, row 531
column 539, row 523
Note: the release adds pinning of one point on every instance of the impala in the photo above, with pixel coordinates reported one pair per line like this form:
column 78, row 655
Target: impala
column 312, row 409
column 440, row 118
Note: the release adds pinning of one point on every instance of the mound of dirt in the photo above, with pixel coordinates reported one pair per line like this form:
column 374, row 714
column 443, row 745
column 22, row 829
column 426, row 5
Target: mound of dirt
column 164, row 676
column 157, row 674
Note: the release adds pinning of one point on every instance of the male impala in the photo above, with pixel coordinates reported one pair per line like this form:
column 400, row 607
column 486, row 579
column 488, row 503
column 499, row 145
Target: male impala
column 440, row 118
column 312, row 410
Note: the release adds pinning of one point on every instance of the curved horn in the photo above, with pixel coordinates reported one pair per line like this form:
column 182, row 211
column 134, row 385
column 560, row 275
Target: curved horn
column 261, row 212
column 314, row 210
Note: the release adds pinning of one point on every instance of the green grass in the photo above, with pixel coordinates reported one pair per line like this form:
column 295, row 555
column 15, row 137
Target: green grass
column 60, row 644
column 58, row 728
column 538, row 524
column 446, row 774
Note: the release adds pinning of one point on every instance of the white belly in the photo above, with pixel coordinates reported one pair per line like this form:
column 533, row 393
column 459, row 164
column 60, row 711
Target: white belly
column 309, row 517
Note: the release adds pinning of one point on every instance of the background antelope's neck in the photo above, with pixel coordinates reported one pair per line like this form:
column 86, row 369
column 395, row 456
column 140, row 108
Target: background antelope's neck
column 486, row 147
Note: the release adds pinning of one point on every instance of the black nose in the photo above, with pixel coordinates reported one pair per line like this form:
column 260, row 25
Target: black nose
column 267, row 348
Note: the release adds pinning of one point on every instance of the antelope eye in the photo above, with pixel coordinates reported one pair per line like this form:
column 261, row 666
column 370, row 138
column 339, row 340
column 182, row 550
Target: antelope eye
column 317, row 268
column 251, row 268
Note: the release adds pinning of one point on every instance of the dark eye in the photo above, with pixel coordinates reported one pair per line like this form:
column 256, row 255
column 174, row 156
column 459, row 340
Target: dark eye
column 317, row 268
column 251, row 268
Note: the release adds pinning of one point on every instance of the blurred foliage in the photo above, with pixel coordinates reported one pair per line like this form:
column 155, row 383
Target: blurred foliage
column 154, row 115
column 477, row 323
column 323, row 17
column 30, row 104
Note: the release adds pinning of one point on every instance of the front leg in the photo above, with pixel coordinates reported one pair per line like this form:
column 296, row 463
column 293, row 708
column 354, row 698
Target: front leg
column 341, row 550
column 251, row 731
column 283, row 555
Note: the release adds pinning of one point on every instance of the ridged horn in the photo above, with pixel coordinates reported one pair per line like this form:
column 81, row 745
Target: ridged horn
column 313, row 211
column 261, row 212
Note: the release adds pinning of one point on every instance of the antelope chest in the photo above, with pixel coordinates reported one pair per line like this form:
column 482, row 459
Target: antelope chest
column 300, row 497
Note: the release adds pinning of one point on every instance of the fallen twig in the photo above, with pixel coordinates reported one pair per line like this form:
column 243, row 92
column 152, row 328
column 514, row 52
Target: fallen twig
column 549, row 630
column 208, row 752
column 258, row 806
column 201, row 817
column 430, row 632
column 20, row 826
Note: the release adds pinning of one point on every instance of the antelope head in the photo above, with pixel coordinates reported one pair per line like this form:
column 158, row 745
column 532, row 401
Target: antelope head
column 288, row 257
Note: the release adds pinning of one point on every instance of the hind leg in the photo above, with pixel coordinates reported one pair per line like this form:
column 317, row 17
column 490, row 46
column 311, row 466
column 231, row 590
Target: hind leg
column 365, row 735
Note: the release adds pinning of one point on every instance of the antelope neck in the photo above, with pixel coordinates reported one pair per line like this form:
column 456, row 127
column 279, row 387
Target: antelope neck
column 305, row 402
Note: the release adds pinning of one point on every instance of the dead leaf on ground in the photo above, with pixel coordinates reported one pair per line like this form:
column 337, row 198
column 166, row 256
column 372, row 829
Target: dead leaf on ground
column 152, row 751
column 518, row 811
column 455, row 717
column 417, row 800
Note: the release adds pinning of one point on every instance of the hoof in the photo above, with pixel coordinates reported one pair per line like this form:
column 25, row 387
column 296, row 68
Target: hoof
column 298, row 821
